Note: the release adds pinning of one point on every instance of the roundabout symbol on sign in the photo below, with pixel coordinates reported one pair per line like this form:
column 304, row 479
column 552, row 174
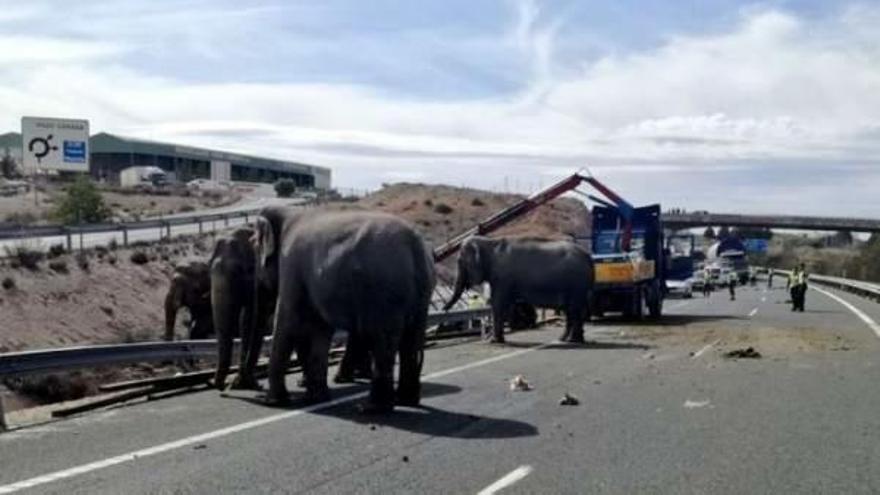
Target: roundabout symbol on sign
column 44, row 146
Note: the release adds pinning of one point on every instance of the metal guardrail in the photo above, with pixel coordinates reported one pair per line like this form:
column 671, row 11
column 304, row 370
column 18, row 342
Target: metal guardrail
column 50, row 360
column 865, row 289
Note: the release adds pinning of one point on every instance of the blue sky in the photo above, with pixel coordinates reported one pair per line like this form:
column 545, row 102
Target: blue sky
column 718, row 105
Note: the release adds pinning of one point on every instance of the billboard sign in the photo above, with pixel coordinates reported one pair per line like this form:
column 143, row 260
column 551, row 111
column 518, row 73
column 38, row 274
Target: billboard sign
column 55, row 144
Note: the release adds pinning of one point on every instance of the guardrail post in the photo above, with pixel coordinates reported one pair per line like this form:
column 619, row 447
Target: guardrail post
column 200, row 226
column 226, row 220
column 125, row 236
column 3, row 425
column 167, row 230
column 69, row 240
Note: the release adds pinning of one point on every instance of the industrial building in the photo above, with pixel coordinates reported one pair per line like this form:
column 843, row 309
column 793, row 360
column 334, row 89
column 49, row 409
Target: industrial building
column 109, row 154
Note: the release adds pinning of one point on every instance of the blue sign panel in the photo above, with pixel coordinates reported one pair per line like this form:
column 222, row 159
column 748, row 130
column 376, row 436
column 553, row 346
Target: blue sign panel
column 74, row 151
column 755, row 245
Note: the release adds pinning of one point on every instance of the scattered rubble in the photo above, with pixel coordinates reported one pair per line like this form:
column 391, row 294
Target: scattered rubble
column 747, row 353
column 519, row 383
column 569, row 400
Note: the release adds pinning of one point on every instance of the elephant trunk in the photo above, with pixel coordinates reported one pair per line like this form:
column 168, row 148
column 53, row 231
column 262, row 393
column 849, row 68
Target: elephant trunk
column 460, row 286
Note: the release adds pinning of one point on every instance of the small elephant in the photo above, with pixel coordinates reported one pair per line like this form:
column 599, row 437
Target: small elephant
column 368, row 273
column 532, row 271
column 235, row 310
column 190, row 288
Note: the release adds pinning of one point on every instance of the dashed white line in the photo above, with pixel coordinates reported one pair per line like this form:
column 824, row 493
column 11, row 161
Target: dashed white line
column 508, row 480
column 249, row 425
column 753, row 312
column 856, row 311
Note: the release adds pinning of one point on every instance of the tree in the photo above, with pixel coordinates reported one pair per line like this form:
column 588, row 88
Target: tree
column 709, row 233
column 82, row 202
column 285, row 188
column 8, row 168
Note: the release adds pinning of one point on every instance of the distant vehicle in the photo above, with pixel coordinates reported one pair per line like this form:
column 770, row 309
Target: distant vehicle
column 680, row 288
column 143, row 177
column 207, row 185
column 731, row 253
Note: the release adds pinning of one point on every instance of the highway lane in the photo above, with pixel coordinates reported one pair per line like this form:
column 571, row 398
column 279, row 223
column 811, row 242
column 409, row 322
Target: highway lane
column 654, row 417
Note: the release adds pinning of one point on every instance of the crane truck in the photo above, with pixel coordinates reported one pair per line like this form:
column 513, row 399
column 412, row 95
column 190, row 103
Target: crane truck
column 626, row 243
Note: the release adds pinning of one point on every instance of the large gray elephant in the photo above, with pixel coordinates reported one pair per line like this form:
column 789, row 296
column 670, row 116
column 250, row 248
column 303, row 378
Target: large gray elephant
column 234, row 303
column 367, row 273
column 190, row 288
column 542, row 273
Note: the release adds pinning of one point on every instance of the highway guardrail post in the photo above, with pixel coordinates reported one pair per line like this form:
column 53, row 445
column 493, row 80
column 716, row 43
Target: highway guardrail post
column 69, row 240
column 167, row 230
column 125, row 236
column 200, row 226
column 226, row 220
column 3, row 426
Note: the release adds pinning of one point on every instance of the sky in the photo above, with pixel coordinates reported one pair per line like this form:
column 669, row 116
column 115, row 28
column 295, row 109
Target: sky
column 766, row 107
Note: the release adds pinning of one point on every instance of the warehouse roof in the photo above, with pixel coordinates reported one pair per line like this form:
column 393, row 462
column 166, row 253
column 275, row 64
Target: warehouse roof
column 111, row 143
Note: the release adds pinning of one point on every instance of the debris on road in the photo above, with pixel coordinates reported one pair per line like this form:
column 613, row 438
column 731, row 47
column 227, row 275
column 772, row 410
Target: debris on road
column 569, row 400
column 200, row 446
column 405, row 458
column 747, row 353
column 519, row 383
column 694, row 404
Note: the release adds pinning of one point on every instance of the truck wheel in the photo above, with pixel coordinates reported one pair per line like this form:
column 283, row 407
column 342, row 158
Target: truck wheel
column 637, row 305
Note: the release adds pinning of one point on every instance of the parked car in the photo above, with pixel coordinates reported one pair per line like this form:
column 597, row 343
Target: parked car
column 680, row 288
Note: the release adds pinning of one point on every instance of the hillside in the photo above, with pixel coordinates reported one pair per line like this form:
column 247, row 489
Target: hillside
column 118, row 301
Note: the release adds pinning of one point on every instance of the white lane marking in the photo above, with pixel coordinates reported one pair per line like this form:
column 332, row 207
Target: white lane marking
column 695, row 404
column 249, row 425
column 858, row 312
column 705, row 348
column 753, row 312
column 508, row 479
column 763, row 299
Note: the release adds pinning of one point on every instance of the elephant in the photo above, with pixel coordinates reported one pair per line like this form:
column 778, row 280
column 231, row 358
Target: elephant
column 532, row 271
column 234, row 304
column 190, row 288
column 367, row 273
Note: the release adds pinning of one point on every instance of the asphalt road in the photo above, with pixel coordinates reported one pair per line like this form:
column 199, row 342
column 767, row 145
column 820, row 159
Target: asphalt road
column 661, row 411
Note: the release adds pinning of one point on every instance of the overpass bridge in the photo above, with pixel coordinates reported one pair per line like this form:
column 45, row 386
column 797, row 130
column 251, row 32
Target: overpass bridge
column 789, row 222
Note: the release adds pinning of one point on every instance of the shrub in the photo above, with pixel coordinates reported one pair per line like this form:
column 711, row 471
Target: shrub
column 24, row 255
column 186, row 209
column 111, row 259
column 428, row 202
column 55, row 250
column 443, row 209
column 21, row 218
column 477, row 202
column 139, row 258
column 82, row 202
column 58, row 266
column 8, row 283
column 113, row 245
column 82, row 261
column 285, row 188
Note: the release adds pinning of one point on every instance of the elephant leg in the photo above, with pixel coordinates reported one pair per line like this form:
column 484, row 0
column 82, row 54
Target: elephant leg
column 345, row 373
column 226, row 313
column 251, row 343
column 500, row 310
column 381, row 398
column 412, row 343
column 316, row 363
column 286, row 327
column 574, row 325
column 302, row 356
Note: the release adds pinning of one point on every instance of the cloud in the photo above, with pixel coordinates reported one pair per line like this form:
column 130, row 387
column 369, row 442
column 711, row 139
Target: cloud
column 773, row 90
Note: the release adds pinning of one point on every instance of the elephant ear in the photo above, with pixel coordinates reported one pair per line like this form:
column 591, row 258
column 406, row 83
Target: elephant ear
column 263, row 241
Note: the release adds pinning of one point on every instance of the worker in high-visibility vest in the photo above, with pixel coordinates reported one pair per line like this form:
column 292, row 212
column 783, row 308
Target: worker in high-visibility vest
column 797, row 286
